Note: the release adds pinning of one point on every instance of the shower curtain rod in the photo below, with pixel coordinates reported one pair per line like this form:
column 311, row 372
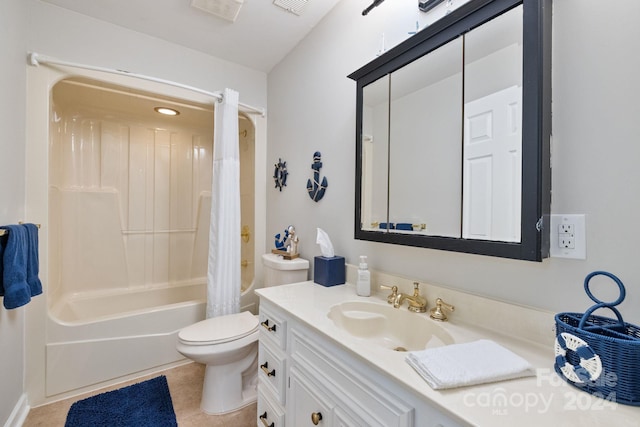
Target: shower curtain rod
column 36, row 59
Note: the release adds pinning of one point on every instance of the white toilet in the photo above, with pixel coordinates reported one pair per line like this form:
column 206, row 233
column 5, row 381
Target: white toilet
column 228, row 345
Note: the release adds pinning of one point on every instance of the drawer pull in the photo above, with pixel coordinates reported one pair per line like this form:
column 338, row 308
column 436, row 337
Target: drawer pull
column 267, row 327
column 316, row 417
column 263, row 418
column 265, row 368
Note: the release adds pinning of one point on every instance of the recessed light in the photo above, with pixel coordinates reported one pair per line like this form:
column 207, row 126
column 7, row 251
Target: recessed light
column 167, row 111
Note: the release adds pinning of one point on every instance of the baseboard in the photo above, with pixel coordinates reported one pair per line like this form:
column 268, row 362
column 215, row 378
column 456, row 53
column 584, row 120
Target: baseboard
column 19, row 413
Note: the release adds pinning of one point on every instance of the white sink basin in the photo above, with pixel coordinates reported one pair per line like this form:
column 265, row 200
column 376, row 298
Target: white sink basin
column 393, row 328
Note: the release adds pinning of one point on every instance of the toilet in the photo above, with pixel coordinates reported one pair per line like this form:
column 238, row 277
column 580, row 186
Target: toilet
column 228, row 345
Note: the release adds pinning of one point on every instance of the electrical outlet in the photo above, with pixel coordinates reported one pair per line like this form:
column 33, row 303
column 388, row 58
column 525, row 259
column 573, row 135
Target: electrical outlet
column 566, row 227
column 568, row 237
column 566, row 242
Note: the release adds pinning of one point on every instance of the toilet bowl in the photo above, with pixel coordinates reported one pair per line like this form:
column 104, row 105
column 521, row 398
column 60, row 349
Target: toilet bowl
column 228, row 345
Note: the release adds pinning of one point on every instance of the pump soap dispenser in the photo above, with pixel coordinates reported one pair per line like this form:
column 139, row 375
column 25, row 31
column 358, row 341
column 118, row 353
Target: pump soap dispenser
column 363, row 285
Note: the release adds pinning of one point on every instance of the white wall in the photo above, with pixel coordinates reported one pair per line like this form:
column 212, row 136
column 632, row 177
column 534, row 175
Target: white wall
column 13, row 15
column 595, row 151
column 69, row 36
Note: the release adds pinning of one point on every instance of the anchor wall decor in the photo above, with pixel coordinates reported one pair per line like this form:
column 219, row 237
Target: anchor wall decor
column 317, row 188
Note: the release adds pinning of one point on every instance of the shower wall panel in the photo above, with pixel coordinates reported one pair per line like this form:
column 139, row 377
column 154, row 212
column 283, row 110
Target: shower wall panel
column 141, row 181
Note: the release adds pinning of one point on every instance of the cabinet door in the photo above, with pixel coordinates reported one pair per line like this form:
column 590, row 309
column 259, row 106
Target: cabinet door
column 306, row 406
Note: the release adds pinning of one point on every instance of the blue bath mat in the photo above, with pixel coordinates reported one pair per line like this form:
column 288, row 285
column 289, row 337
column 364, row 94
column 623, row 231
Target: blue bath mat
column 144, row 404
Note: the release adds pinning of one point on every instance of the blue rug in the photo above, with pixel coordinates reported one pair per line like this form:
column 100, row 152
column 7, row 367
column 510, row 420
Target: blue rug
column 144, row 404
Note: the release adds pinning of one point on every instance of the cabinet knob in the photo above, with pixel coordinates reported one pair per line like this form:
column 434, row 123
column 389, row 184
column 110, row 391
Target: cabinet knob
column 316, row 417
column 263, row 418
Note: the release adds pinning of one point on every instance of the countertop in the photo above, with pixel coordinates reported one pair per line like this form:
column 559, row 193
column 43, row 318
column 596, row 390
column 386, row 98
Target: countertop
column 543, row 400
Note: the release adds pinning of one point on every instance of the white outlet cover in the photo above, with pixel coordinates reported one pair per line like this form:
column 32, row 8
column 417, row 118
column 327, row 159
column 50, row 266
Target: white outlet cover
column 580, row 236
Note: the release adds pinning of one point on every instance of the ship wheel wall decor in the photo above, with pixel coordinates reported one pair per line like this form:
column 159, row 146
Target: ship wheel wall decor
column 280, row 174
column 316, row 188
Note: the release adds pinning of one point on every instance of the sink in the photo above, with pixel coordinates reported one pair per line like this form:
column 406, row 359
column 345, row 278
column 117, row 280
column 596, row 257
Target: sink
column 393, row 328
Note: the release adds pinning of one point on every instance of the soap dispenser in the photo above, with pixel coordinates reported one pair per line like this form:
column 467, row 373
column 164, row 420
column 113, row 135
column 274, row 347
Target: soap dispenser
column 363, row 285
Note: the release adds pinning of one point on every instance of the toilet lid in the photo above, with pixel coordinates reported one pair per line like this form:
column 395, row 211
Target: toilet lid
column 219, row 329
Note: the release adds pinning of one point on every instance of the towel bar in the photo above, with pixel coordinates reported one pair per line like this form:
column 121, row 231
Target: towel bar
column 3, row 231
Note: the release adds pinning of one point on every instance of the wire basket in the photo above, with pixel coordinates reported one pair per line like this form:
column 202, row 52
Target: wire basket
column 599, row 355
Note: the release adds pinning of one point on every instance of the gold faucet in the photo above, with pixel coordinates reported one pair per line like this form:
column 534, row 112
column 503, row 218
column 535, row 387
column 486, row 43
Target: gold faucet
column 437, row 313
column 393, row 295
column 416, row 302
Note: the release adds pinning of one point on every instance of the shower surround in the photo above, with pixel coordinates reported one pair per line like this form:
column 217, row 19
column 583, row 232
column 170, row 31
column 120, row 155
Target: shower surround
column 124, row 247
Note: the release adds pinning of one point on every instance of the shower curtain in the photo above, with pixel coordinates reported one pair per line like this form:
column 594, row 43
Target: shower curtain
column 223, row 271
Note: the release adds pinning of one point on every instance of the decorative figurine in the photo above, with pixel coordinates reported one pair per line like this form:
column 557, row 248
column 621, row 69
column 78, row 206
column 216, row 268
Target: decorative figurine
column 287, row 243
column 280, row 243
column 280, row 174
column 292, row 247
column 316, row 189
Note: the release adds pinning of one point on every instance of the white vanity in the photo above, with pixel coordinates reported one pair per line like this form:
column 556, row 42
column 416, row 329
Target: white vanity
column 319, row 366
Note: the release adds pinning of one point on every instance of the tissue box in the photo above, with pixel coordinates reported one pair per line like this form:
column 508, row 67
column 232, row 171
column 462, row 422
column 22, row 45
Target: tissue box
column 329, row 271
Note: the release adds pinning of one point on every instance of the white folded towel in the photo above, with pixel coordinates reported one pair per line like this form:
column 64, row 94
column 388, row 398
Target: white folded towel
column 466, row 364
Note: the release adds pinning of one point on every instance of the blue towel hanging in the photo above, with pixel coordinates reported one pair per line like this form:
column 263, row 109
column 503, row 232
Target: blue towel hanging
column 32, row 259
column 14, row 276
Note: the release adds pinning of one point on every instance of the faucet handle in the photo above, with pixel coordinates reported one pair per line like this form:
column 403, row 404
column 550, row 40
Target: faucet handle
column 394, row 293
column 437, row 313
column 416, row 288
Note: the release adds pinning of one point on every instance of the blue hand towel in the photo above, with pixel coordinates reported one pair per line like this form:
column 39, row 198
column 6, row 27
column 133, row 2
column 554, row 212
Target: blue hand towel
column 14, row 276
column 33, row 265
column 3, row 243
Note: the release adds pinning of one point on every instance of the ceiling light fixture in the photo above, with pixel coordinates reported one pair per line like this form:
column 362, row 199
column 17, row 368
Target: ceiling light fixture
column 166, row 111
column 292, row 6
column 225, row 9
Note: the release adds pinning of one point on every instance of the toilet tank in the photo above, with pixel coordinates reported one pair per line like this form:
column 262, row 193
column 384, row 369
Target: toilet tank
column 280, row 271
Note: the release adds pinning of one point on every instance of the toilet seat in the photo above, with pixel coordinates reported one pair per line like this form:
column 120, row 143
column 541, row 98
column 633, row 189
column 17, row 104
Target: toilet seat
column 217, row 330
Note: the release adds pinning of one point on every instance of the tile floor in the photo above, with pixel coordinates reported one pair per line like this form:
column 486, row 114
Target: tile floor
column 185, row 386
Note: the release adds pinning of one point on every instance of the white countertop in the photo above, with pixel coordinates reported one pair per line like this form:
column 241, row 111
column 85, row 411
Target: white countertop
column 544, row 400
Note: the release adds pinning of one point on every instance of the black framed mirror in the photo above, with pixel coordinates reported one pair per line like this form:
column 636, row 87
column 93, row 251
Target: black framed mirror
column 453, row 134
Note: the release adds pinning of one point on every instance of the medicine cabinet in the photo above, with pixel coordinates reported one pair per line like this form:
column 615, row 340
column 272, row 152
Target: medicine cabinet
column 452, row 134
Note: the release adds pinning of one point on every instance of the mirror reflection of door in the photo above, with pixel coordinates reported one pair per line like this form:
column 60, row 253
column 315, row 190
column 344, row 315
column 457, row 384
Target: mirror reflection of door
column 492, row 166
column 492, row 159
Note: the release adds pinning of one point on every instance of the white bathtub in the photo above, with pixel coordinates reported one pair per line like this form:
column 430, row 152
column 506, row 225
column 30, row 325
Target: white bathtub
column 95, row 337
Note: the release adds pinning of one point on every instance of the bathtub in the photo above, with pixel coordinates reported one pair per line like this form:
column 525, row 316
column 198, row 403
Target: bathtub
column 95, row 337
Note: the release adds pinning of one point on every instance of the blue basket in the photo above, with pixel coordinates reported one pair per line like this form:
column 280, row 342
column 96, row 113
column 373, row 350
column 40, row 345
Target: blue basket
column 597, row 354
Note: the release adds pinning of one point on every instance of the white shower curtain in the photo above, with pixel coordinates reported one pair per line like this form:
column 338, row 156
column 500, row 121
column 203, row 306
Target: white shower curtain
column 223, row 271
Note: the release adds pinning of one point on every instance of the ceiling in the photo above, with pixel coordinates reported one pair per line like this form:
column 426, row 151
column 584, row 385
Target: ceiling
column 261, row 36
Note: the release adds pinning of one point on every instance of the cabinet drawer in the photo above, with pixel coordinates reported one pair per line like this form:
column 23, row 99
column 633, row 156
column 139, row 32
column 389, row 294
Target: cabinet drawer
column 358, row 399
column 273, row 328
column 271, row 370
column 308, row 406
column 269, row 414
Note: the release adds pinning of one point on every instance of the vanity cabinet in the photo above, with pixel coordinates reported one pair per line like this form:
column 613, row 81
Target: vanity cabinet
column 272, row 369
column 325, row 385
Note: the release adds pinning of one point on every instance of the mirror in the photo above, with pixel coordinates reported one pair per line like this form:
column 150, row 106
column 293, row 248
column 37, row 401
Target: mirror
column 424, row 149
column 452, row 134
column 492, row 136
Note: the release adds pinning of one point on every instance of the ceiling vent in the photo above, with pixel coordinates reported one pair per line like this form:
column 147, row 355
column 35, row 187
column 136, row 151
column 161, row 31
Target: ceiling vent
column 294, row 6
column 225, row 9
